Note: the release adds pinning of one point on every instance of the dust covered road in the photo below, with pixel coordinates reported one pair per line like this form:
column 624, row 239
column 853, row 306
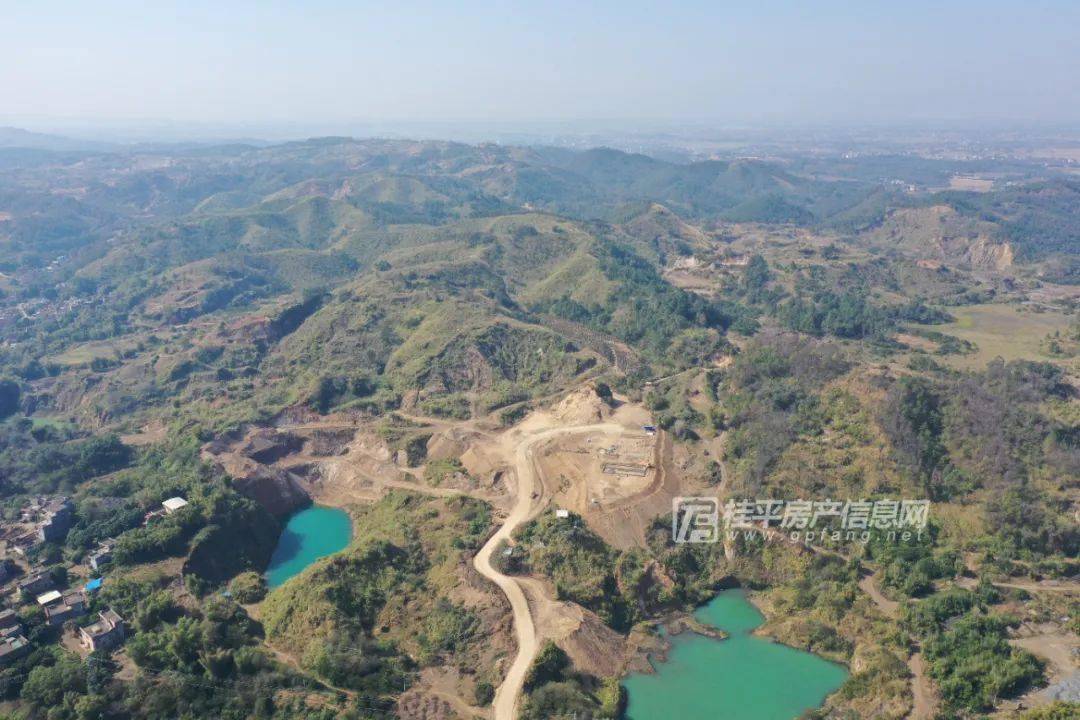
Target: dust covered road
column 528, row 481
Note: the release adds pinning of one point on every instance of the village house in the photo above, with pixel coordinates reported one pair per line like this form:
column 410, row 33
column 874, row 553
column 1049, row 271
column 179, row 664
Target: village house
column 22, row 544
column 10, row 624
column 13, row 648
column 72, row 605
column 50, row 597
column 173, row 504
column 57, row 520
column 36, row 583
column 101, row 556
column 105, row 634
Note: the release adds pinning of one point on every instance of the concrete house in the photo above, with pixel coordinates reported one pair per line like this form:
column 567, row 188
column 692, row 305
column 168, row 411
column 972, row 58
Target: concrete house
column 173, row 504
column 36, row 583
column 100, row 556
column 13, row 648
column 72, row 605
column 106, row 634
column 48, row 598
column 57, row 521
column 8, row 619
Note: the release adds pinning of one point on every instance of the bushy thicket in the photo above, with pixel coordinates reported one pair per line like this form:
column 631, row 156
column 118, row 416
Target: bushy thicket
column 988, row 430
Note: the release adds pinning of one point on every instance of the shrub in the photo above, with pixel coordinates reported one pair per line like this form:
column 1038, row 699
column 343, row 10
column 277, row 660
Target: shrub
column 248, row 587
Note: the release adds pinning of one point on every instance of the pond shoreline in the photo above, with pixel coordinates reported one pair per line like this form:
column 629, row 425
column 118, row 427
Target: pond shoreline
column 696, row 662
column 310, row 534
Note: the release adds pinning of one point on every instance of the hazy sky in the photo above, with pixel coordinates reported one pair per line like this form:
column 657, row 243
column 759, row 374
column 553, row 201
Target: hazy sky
column 734, row 62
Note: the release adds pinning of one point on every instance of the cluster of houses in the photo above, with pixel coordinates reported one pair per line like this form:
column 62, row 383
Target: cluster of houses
column 105, row 633
column 49, row 520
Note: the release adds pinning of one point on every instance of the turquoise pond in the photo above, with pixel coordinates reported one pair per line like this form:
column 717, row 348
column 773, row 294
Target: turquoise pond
column 310, row 534
column 742, row 677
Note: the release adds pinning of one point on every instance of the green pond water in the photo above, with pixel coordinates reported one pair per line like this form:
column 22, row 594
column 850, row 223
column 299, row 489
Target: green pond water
column 309, row 535
column 741, row 677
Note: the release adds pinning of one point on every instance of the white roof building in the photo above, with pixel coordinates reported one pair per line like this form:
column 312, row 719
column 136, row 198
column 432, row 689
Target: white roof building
column 173, row 504
column 49, row 597
column 560, row 513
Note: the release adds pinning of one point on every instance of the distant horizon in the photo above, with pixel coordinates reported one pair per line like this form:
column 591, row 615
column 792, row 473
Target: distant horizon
column 132, row 132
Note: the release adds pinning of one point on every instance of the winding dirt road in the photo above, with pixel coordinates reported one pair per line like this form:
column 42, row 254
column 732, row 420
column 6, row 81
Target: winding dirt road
column 924, row 699
column 506, row 697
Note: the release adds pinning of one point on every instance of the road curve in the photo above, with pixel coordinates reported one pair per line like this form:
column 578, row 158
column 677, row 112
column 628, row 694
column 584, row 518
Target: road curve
column 508, row 693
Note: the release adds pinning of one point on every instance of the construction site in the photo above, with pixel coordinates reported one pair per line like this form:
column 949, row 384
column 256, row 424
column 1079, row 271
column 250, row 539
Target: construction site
column 604, row 461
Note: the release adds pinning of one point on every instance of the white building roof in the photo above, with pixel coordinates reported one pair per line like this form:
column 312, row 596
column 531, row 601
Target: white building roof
column 49, row 597
column 174, row 503
column 560, row 513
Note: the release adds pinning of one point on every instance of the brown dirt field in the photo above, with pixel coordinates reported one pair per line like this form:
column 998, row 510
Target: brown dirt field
column 623, row 522
column 691, row 281
column 128, row 669
column 147, row 435
column 969, row 183
column 1055, row 646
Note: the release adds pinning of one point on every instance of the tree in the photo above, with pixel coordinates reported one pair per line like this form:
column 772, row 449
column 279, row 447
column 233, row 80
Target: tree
column 91, row 707
column 47, row 685
column 10, row 394
column 248, row 587
column 756, row 276
column 603, row 391
column 548, row 666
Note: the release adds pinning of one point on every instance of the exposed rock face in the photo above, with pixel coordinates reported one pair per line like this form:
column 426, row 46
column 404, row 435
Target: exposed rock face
column 942, row 234
column 984, row 253
column 1067, row 690
column 279, row 491
column 324, row 443
column 267, row 447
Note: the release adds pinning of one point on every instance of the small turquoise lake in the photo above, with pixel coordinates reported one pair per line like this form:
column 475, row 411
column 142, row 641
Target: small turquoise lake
column 310, row 534
column 742, row 677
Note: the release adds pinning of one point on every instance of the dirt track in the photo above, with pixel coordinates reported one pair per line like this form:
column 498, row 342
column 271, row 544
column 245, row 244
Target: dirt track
column 507, row 695
column 924, row 699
